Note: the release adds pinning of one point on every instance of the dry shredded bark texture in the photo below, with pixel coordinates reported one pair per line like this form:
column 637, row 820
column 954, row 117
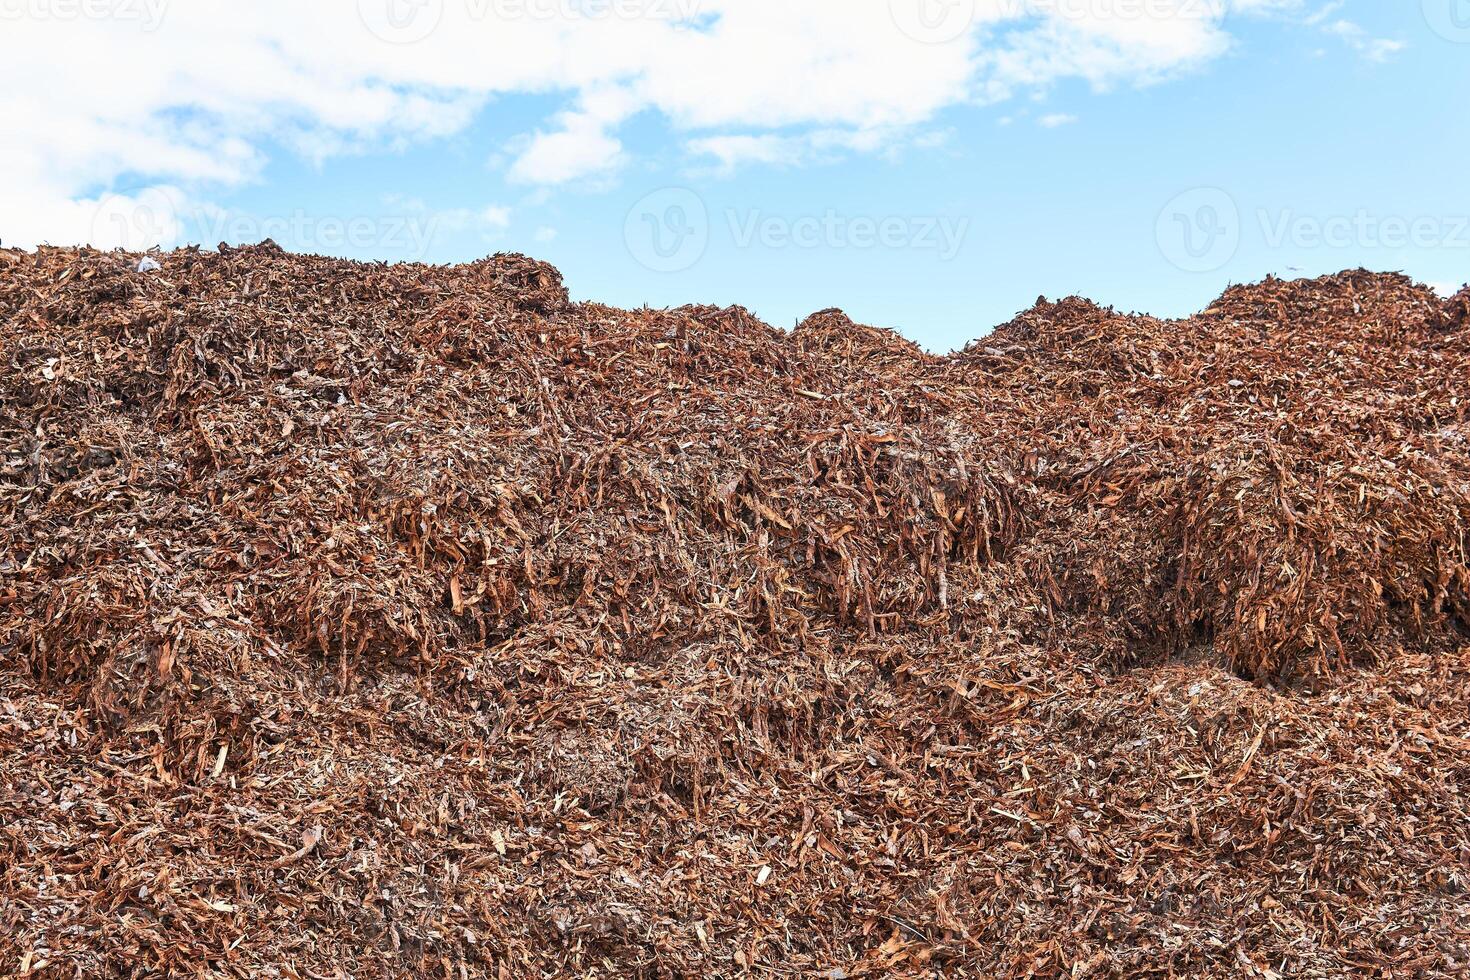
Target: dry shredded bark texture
column 390, row 621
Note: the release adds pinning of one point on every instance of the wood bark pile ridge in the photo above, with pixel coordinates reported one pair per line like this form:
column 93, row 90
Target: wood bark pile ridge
column 389, row 621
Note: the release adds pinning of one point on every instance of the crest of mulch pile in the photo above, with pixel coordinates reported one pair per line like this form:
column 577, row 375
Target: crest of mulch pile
column 395, row 621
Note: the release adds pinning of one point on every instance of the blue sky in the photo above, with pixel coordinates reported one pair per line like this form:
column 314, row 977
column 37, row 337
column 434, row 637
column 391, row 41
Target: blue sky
column 929, row 165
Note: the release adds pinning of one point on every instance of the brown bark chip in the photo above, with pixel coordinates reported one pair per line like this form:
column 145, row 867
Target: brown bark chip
column 406, row 621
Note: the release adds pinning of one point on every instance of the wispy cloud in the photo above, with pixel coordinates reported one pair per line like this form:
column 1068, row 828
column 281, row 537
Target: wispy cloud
column 1377, row 49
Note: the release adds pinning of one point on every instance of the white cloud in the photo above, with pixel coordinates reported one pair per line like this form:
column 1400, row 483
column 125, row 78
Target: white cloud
column 1378, row 49
column 493, row 217
column 192, row 96
column 580, row 148
column 1325, row 18
column 1321, row 14
column 733, row 151
column 545, row 234
column 1056, row 119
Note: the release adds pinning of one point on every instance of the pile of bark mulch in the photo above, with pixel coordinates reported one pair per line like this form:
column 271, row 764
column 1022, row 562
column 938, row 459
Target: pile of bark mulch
column 388, row 621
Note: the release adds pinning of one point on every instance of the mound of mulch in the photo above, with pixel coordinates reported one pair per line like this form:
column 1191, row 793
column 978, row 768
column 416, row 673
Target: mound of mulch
column 363, row 620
